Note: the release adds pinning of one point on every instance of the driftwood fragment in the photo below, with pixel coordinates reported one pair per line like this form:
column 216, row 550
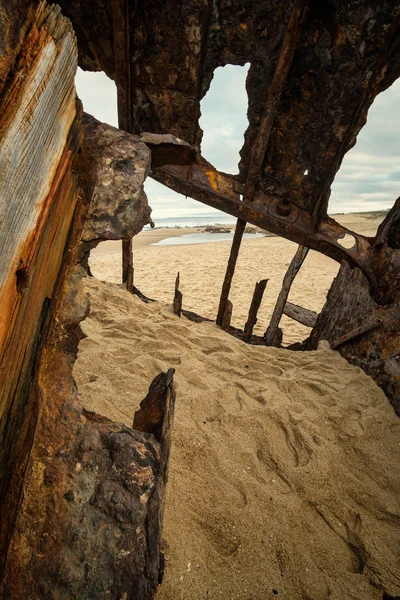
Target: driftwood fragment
column 127, row 264
column 226, row 320
column 254, row 306
column 290, row 275
column 230, row 270
column 177, row 298
column 355, row 333
column 301, row 315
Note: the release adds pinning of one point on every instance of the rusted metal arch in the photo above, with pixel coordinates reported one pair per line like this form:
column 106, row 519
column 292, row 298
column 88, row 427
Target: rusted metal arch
column 223, row 192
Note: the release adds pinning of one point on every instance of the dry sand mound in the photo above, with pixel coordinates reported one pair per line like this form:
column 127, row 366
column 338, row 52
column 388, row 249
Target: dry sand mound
column 284, row 474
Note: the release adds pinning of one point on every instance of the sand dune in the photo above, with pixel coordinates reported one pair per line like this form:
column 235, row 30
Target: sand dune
column 284, row 475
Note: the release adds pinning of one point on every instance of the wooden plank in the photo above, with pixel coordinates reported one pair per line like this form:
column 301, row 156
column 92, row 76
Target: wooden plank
column 230, row 270
column 177, row 298
column 39, row 141
column 259, row 290
column 127, row 264
column 290, row 275
column 301, row 315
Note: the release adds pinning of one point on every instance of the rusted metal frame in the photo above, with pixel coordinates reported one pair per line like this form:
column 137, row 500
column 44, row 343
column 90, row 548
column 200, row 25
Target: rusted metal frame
column 121, row 37
column 283, row 65
column 222, row 192
column 259, row 290
column 290, row 275
column 301, row 315
column 379, row 68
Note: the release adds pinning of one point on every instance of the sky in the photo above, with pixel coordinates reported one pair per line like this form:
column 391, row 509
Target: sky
column 369, row 178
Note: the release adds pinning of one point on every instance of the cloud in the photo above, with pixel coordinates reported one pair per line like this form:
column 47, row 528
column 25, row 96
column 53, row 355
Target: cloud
column 369, row 178
column 99, row 96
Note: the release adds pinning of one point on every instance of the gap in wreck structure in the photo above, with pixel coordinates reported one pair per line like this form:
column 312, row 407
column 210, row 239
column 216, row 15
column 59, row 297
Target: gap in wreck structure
column 369, row 178
column 224, row 117
column 98, row 94
column 224, row 120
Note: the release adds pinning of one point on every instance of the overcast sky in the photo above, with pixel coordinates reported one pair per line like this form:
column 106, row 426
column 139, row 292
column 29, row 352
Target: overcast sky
column 369, row 178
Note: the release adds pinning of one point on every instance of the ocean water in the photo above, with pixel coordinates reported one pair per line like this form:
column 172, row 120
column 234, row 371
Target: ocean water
column 200, row 220
column 202, row 238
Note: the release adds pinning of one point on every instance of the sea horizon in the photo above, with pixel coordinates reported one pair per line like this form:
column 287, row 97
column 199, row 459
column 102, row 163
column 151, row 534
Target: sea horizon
column 213, row 219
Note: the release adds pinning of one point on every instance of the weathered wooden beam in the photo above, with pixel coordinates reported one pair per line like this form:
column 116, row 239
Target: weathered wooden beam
column 230, row 270
column 227, row 316
column 290, row 275
column 259, row 290
column 177, row 298
column 301, row 315
column 355, row 333
column 127, row 264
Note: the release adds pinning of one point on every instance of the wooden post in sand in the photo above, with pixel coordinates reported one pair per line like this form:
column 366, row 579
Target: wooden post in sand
column 230, row 270
column 127, row 264
column 177, row 298
column 253, row 310
column 290, row 275
column 226, row 319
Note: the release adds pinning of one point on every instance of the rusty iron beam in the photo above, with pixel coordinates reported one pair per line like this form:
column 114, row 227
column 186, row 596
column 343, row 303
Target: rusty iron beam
column 283, row 65
column 203, row 182
column 177, row 305
column 258, row 294
column 355, row 333
column 301, row 315
column 290, row 275
column 230, row 270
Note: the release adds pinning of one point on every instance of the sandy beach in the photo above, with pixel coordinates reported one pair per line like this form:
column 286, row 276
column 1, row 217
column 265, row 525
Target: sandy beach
column 284, row 475
column 202, row 268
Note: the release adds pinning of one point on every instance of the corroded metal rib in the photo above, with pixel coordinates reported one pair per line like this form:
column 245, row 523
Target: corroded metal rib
column 204, row 183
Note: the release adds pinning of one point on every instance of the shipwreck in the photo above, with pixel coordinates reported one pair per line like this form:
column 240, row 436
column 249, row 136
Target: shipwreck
column 74, row 483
